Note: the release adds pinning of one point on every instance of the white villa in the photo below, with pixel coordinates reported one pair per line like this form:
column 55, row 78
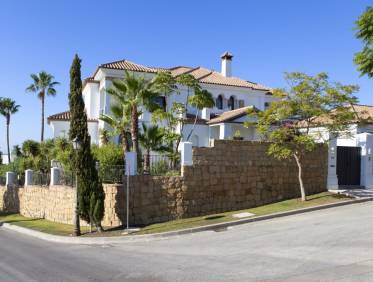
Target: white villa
column 233, row 97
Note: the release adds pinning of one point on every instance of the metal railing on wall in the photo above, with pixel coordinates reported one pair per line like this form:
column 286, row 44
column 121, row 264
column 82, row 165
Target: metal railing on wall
column 111, row 174
column 158, row 165
column 41, row 179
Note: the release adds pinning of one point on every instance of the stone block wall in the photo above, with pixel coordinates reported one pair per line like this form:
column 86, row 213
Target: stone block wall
column 232, row 175
column 9, row 201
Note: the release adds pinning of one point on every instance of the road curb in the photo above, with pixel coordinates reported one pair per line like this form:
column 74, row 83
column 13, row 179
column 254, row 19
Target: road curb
column 147, row 237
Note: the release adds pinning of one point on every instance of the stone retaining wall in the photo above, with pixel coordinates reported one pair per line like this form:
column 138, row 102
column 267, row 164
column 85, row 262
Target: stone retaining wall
column 232, row 175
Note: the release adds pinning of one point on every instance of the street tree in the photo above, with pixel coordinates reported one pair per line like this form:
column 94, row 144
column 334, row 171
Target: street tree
column 309, row 101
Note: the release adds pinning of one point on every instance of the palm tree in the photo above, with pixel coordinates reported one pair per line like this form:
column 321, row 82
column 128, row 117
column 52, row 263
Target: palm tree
column 8, row 107
column 134, row 92
column 201, row 99
column 151, row 139
column 119, row 121
column 43, row 85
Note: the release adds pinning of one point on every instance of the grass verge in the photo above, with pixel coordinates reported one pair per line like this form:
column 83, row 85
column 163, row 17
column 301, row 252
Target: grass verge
column 65, row 229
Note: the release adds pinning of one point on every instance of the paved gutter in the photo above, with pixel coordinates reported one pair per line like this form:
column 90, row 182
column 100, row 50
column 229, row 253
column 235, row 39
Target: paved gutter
column 147, row 237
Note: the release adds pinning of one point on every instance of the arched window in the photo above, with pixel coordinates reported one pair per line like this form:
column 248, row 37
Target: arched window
column 231, row 103
column 219, row 102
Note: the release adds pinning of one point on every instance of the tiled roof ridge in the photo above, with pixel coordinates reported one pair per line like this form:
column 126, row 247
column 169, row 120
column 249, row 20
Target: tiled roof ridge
column 65, row 116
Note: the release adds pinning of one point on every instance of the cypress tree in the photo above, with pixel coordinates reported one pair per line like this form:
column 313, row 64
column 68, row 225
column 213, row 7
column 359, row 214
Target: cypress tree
column 90, row 191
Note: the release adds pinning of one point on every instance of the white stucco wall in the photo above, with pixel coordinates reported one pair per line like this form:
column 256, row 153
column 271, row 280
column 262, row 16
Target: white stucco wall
column 61, row 129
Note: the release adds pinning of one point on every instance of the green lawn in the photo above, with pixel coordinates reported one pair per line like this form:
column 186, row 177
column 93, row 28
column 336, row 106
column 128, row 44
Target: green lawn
column 39, row 224
column 65, row 229
column 313, row 200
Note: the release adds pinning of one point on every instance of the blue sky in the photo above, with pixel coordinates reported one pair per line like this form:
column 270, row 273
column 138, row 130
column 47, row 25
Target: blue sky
column 267, row 37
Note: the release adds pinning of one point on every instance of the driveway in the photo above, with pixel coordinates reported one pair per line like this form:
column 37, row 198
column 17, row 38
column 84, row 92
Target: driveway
column 328, row 245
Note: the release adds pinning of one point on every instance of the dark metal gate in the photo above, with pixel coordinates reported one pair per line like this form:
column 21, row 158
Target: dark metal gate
column 348, row 165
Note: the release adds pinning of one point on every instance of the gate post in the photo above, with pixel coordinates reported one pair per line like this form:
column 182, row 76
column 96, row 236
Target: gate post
column 332, row 181
column 365, row 141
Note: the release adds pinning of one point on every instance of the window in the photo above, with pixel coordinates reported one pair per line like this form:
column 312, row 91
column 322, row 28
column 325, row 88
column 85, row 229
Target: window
column 231, row 103
column 219, row 102
column 160, row 101
column 266, row 105
column 241, row 103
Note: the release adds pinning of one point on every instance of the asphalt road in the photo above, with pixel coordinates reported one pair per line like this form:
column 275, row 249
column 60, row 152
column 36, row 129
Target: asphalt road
column 328, row 245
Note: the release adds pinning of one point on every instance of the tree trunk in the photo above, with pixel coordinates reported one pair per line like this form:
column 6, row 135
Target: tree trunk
column 135, row 132
column 147, row 162
column 42, row 118
column 194, row 125
column 76, row 218
column 302, row 191
column 7, row 137
column 125, row 144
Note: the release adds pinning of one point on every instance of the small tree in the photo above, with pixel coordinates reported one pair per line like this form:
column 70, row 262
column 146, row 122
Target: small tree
column 316, row 103
column 201, row 99
column 364, row 58
column 90, row 191
column 8, row 107
column 192, row 85
column 151, row 139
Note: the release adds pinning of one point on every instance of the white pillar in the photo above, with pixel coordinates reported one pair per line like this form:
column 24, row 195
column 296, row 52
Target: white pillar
column 332, row 182
column 186, row 153
column 205, row 114
column 365, row 141
column 225, row 131
column 28, row 177
column 131, row 163
column 55, row 176
column 10, row 178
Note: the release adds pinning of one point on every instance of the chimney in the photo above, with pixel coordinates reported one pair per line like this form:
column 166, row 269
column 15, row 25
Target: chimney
column 226, row 64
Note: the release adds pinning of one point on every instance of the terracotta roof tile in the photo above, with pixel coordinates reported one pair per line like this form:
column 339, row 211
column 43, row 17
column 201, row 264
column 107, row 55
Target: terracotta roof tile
column 64, row 116
column 231, row 115
column 127, row 65
column 204, row 75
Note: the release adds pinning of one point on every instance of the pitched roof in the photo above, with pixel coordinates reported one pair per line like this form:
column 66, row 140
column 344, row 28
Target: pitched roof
column 231, row 115
column 127, row 65
column 64, row 116
column 363, row 113
column 204, row 75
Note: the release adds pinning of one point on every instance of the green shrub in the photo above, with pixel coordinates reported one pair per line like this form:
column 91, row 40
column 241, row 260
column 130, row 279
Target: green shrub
column 159, row 168
column 108, row 155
